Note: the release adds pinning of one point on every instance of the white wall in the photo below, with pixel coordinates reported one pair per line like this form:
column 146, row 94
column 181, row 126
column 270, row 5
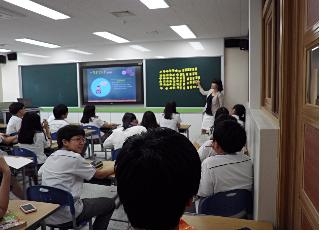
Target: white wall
column 236, row 77
column 10, row 81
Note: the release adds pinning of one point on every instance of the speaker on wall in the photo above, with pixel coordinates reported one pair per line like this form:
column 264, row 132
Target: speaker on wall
column 3, row 59
column 243, row 44
column 12, row 56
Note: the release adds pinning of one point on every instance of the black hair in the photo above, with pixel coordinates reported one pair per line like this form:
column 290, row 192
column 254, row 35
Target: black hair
column 230, row 136
column 219, row 84
column 30, row 125
column 15, row 107
column 127, row 118
column 59, row 111
column 88, row 112
column 149, row 120
column 168, row 110
column 158, row 172
column 67, row 132
column 220, row 111
column 174, row 107
column 240, row 111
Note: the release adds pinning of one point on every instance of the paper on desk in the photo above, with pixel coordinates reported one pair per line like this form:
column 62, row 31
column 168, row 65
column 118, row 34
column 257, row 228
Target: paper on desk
column 17, row 162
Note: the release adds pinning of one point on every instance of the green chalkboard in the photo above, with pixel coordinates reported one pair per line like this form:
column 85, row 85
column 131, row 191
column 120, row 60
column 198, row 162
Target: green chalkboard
column 174, row 80
column 49, row 85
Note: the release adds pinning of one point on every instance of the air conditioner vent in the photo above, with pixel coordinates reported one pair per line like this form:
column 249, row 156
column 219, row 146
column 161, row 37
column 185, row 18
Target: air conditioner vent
column 122, row 14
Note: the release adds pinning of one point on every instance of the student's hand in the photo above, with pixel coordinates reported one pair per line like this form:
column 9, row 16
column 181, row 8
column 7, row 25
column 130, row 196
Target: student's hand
column 45, row 123
column 198, row 82
column 4, row 168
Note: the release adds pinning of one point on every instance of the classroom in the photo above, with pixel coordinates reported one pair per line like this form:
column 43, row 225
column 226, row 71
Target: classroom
column 245, row 44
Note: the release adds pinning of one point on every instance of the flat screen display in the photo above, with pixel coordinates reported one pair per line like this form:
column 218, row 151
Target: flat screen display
column 113, row 84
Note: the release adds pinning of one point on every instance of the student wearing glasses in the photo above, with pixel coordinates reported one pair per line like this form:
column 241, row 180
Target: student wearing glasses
column 66, row 169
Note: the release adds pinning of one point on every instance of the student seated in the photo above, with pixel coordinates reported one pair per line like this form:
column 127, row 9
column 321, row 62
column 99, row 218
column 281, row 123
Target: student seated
column 18, row 111
column 66, row 169
column 205, row 149
column 60, row 113
column 4, row 186
column 239, row 112
column 129, row 127
column 170, row 118
column 149, row 120
column 228, row 169
column 158, row 173
column 90, row 118
column 32, row 136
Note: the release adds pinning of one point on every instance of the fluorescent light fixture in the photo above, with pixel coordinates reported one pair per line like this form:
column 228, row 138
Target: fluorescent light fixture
column 33, row 55
column 159, row 57
column 38, row 43
column 4, row 50
column 155, row 4
column 183, row 31
column 140, row 48
column 39, row 9
column 79, row 51
column 110, row 36
column 196, row 45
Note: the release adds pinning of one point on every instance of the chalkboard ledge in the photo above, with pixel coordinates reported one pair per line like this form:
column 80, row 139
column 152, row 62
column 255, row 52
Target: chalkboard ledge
column 129, row 109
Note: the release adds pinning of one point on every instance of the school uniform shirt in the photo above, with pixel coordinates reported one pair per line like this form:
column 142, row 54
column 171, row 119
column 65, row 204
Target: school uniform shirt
column 97, row 122
column 55, row 125
column 239, row 121
column 51, row 118
column 206, row 150
column 66, row 170
column 119, row 136
column 170, row 123
column 13, row 125
column 40, row 143
column 222, row 173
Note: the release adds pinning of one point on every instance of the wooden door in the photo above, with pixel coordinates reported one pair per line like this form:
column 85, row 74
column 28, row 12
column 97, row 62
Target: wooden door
column 306, row 205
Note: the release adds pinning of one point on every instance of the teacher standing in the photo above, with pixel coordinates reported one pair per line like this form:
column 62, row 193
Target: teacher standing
column 214, row 100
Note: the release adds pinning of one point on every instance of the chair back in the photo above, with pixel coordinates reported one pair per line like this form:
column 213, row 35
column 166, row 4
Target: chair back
column 114, row 154
column 52, row 195
column 18, row 151
column 94, row 128
column 54, row 136
column 234, row 203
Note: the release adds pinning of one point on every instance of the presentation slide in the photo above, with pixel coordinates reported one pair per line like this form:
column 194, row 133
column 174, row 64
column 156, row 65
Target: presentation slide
column 111, row 84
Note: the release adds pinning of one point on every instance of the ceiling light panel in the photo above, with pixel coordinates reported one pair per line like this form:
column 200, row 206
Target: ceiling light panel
column 39, row 9
column 140, row 48
column 112, row 37
column 155, row 4
column 38, row 43
column 196, row 45
column 183, row 31
column 33, row 55
column 5, row 50
column 79, row 51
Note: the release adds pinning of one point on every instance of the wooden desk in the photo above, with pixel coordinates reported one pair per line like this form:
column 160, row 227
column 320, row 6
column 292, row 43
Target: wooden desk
column 33, row 219
column 208, row 222
column 184, row 128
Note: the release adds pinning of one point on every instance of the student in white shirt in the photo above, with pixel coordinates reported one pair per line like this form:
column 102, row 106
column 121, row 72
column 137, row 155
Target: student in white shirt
column 18, row 111
column 89, row 118
column 60, row 113
column 239, row 112
column 33, row 136
column 129, row 127
column 228, row 169
column 66, row 169
column 170, row 118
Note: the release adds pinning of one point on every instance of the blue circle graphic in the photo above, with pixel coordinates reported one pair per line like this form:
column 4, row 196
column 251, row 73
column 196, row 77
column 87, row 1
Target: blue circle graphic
column 100, row 87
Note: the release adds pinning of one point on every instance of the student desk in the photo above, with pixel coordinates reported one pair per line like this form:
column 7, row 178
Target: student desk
column 33, row 219
column 3, row 127
column 209, row 222
column 184, row 128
